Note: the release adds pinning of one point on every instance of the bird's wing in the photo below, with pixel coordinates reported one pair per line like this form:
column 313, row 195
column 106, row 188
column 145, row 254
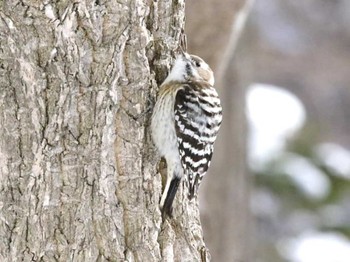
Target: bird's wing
column 198, row 116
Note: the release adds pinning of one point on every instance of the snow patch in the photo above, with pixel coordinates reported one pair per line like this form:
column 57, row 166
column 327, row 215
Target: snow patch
column 308, row 177
column 316, row 246
column 335, row 157
column 274, row 115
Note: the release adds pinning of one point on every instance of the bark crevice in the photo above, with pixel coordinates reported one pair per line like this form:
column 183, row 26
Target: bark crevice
column 79, row 179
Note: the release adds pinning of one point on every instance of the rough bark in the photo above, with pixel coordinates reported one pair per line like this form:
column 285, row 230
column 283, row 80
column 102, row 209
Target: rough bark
column 225, row 191
column 78, row 175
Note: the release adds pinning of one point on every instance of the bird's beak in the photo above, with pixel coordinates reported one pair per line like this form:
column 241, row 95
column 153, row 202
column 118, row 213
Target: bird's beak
column 179, row 52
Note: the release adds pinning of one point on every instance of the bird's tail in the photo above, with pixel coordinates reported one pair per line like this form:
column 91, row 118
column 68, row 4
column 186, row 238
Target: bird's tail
column 167, row 206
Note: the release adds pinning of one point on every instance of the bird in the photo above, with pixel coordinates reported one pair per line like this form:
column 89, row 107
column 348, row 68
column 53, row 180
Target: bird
column 184, row 125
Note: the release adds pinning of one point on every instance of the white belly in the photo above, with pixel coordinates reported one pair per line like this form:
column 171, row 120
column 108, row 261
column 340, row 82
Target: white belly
column 163, row 128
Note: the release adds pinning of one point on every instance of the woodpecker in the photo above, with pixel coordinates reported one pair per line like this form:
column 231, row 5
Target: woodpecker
column 185, row 122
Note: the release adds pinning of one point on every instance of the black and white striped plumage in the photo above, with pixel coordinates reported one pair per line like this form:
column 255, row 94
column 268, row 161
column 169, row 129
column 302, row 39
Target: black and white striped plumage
column 185, row 123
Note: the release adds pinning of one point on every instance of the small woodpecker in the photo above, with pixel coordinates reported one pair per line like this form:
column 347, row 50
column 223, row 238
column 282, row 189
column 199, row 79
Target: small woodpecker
column 185, row 122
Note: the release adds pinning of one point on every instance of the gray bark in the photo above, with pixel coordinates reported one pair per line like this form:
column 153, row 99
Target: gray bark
column 78, row 174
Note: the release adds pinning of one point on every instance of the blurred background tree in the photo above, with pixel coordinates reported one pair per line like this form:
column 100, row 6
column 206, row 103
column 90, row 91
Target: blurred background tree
column 302, row 190
column 293, row 64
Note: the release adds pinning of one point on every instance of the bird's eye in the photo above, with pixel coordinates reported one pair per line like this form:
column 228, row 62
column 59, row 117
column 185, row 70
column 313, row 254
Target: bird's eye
column 196, row 63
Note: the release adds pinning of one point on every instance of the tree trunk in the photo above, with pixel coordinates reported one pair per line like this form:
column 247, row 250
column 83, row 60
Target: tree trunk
column 78, row 175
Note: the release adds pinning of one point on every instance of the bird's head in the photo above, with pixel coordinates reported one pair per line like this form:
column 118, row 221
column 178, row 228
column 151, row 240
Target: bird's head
column 190, row 68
